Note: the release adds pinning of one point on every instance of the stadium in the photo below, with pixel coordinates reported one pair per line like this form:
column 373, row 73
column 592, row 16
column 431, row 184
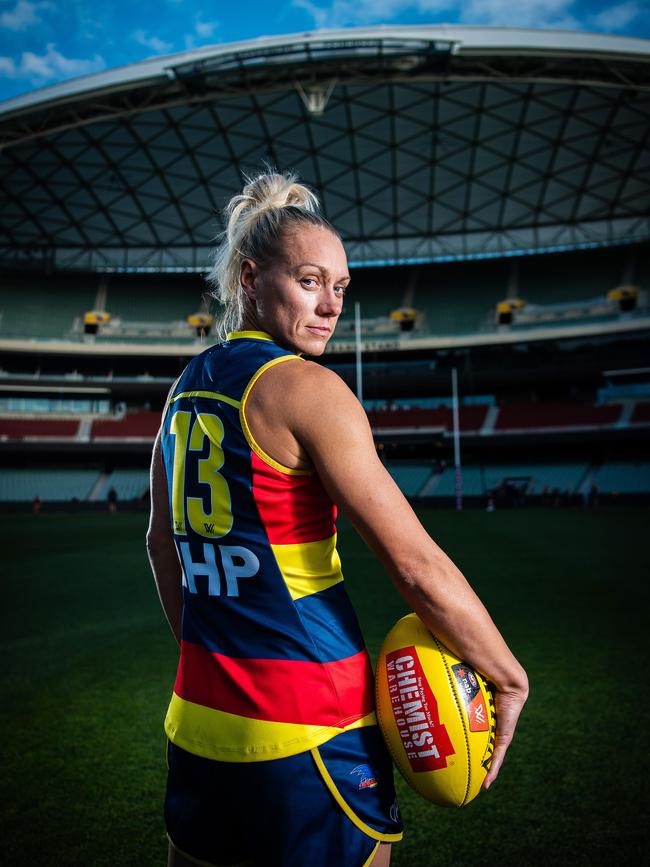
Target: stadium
column 492, row 189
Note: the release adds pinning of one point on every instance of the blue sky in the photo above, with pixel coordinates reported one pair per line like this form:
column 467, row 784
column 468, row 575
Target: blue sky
column 45, row 41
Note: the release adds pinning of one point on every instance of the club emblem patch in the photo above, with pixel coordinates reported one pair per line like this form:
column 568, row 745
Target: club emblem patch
column 367, row 780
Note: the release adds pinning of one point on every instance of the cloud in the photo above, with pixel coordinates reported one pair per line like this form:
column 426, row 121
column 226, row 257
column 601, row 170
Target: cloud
column 206, row 29
column 342, row 13
column 23, row 15
column 504, row 13
column 202, row 30
column 532, row 13
column 51, row 66
column 617, row 17
column 7, row 67
column 152, row 42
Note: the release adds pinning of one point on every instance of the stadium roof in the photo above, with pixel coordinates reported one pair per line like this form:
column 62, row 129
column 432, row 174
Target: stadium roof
column 424, row 144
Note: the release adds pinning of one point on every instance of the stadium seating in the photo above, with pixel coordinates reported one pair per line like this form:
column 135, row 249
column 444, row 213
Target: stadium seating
column 129, row 483
column 470, row 417
column 152, row 298
column 143, row 425
column 28, row 428
column 409, row 477
column 51, row 485
column 377, row 290
column 52, row 307
column 134, row 425
column 478, row 480
column 623, row 478
column 461, row 299
column 626, row 391
column 44, row 308
column 563, row 277
column 414, row 479
column 556, row 415
column 641, row 413
column 454, row 297
column 426, row 402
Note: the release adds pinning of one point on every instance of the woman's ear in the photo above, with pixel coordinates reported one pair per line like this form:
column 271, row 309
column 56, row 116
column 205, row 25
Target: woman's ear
column 247, row 275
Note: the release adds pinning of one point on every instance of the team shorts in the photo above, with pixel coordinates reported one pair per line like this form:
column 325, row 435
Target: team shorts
column 327, row 807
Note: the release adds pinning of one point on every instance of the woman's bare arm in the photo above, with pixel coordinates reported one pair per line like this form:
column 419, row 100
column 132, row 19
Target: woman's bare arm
column 324, row 423
column 160, row 545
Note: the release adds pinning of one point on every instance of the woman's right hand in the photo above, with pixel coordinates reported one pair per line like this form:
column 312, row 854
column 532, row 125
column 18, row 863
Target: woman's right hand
column 508, row 707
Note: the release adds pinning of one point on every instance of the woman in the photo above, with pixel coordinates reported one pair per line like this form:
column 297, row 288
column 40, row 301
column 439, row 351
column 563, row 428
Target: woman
column 275, row 755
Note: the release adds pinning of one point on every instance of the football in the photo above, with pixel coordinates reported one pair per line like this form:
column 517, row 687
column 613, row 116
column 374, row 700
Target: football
column 436, row 714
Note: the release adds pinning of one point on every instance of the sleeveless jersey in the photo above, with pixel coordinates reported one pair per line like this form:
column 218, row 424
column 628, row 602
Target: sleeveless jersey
column 272, row 658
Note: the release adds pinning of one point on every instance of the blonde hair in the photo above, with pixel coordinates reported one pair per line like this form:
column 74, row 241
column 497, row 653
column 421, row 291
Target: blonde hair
column 256, row 221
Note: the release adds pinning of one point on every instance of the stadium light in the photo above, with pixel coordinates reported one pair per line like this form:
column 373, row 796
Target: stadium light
column 316, row 96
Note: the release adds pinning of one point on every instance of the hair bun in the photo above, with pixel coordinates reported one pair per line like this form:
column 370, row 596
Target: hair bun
column 274, row 190
column 264, row 193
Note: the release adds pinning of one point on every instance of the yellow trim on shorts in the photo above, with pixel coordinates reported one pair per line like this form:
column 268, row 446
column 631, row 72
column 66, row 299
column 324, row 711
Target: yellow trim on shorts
column 368, row 860
column 250, row 439
column 208, row 863
column 349, row 812
column 251, row 335
column 212, row 395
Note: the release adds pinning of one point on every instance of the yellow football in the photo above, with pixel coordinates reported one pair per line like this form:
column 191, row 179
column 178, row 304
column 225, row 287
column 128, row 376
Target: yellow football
column 436, row 714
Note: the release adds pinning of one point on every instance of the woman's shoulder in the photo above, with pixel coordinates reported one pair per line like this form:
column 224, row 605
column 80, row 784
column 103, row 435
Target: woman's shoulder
column 301, row 394
column 300, row 377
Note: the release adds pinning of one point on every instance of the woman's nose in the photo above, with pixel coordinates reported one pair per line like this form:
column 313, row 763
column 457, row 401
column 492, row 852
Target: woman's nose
column 330, row 303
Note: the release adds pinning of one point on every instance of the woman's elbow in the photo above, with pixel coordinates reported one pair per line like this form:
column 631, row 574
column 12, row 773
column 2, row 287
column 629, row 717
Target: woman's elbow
column 157, row 542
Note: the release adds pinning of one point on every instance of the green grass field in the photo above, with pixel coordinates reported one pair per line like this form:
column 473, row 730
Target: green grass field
column 88, row 667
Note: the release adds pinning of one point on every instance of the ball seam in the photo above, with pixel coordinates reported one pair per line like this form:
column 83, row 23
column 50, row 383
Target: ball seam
column 461, row 716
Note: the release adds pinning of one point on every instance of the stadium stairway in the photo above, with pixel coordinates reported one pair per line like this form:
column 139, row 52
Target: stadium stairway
column 625, row 417
column 429, row 487
column 83, row 431
column 584, row 484
column 490, row 421
column 98, row 491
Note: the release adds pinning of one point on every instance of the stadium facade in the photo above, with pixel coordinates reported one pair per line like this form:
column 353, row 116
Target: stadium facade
column 492, row 188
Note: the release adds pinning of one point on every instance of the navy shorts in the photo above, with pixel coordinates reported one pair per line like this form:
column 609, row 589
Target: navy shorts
column 328, row 807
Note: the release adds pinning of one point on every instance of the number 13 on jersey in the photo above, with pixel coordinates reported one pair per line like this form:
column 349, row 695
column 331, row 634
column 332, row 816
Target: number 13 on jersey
column 189, row 432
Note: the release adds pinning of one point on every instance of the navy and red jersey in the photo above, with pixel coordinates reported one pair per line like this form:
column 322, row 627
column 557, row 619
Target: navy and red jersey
column 273, row 662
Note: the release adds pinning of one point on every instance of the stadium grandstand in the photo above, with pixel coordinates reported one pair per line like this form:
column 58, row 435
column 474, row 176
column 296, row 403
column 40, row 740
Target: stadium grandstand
column 492, row 188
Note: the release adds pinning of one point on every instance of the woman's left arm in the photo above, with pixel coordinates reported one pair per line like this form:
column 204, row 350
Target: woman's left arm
column 161, row 548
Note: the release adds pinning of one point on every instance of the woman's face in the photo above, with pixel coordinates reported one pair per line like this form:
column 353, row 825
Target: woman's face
column 298, row 297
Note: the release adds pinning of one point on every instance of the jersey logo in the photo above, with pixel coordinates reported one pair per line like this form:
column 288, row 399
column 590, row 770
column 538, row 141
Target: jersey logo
column 368, row 779
column 237, row 562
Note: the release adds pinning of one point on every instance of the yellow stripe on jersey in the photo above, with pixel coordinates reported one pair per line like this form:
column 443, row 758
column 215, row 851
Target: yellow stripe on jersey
column 251, row 335
column 308, row 567
column 242, row 739
column 250, row 439
column 211, row 395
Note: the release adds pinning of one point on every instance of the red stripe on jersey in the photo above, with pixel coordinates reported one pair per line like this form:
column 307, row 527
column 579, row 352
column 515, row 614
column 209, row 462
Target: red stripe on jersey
column 278, row 690
column 293, row 509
